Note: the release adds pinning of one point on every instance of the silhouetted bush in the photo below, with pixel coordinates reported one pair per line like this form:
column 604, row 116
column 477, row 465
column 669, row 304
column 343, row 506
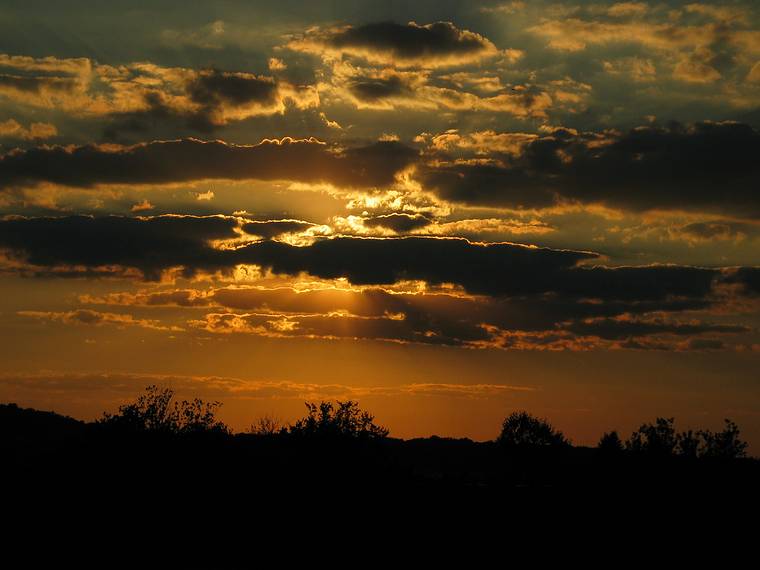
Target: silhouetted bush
column 689, row 444
column 661, row 440
column 267, row 425
column 725, row 444
column 656, row 440
column 143, row 449
column 522, row 430
column 339, row 420
column 156, row 411
column 610, row 444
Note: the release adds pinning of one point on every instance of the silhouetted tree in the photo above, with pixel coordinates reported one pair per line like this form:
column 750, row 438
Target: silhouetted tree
column 267, row 425
column 661, row 439
column 342, row 419
column 156, row 411
column 689, row 444
column 656, row 440
column 522, row 430
column 725, row 444
column 610, row 444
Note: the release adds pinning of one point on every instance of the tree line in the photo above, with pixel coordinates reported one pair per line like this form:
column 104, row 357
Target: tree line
column 158, row 411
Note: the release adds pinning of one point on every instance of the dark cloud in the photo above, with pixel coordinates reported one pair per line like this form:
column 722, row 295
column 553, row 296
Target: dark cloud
column 488, row 185
column 154, row 244
column 488, row 269
column 433, row 45
column 37, row 85
column 150, row 245
column 618, row 329
column 445, row 320
column 215, row 88
column 399, row 223
column 706, row 344
column 186, row 160
column 213, row 98
column 411, row 41
column 273, row 228
column 376, row 89
column 717, row 230
column 428, row 311
column 157, row 243
column 748, row 278
column 703, row 167
column 155, row 113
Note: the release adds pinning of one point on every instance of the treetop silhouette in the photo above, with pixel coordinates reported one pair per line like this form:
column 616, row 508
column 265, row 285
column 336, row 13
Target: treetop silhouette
column 339, row 420
column 157, row 411
column 524, row 431
column 662, row 440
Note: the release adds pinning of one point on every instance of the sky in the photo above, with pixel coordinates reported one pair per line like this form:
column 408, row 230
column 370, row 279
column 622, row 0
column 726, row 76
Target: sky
column 445, row 210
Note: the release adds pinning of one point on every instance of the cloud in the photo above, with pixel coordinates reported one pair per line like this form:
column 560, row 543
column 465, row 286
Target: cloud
column 136, row 96
column 200, row 99
column 95, row 318
column 276, row 64
column 638, row 69
column 404, row 45
column 273, row 228
column 153, row 245
column 399, row 223
column 625, row 327
column 705, row 167
column 505, row 8
column 13, row 129
column 142, row 206
column 47, row 82
column 419, row 224
column 575, row 34
column 166, row 162
column 120, row 387
column 217, row 90
column 627, row 9
column 540, row 321
column 719, row 230
column 171, row 298
column 697, row 67
column 447, row 321
column 388, row 88
column 479, row 268
column 150, row 245
column 211, row 36
column 754, row 73
column 483, row 142
column 205, row 196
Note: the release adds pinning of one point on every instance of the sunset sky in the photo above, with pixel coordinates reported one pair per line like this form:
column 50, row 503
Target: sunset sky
column 446, row 210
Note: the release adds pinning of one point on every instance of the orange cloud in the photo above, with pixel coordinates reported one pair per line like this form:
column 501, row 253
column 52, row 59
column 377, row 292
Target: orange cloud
column 13, row 129
column 95, row 318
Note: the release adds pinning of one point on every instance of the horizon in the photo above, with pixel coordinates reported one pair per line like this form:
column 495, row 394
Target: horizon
column 445, row 211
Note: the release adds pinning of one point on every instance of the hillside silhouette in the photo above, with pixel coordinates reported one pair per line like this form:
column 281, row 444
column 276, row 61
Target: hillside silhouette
column 158, row 443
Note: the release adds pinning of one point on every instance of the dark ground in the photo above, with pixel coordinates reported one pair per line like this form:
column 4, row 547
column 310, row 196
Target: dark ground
column 68, row 455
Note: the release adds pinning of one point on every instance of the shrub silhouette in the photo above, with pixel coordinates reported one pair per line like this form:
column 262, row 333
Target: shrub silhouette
column 657, row 440
column 524, row 431
column 266, row 425
column 661, row 440
column 339, row 420
column 689, row 444
column 725, row 444
column 610, row 444
column 157, row 411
